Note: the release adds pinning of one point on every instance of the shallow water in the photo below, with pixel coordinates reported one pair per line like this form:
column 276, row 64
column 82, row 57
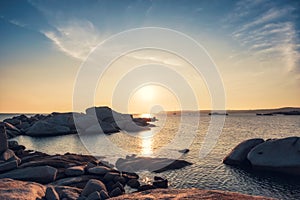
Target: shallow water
column 207, row 172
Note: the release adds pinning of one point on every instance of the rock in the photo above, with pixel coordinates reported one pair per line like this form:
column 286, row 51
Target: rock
column 109, row 176
column 7, row 166
column 238, row 156
column 130, row 126
column 106, row 114
column 133, row 183
column 23, row 126
column 120, row 179
column 43, row 128
column 3, row 139
column 99, row 170
column 86, row 121
column 69, row 193
column 118, row 185
column 77, row 181
column 9, row 155
column 63, row 119
column 13, row 121
column 104, row 195
column 184, row 151
column 94, row 196
column 15, row 190
column 279, row 155
column 146, row 187
column 75, row 171
column 12, row 128
column 41, row 174
column 150, row 164
column 51, row 194
column 161, row 183
column 115, row 192
column 103, row 127
column 92, row 186
column 180, row 194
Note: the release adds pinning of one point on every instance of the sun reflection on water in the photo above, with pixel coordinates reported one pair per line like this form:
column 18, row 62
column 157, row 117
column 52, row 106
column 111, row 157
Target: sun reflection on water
column 146, row 143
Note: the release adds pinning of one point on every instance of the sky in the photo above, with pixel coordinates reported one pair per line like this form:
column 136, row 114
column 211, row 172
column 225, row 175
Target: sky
column 254, row 45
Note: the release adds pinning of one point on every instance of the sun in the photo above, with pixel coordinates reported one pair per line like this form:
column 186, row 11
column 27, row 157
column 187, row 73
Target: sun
column 146, row 93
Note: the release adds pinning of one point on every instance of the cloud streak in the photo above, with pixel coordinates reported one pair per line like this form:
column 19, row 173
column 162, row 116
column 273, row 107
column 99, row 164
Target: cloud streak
column 75, row 38
column 270, row 34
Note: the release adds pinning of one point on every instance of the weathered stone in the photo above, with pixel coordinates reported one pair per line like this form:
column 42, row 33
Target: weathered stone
column 51, row 194
column 69, row 193
column 279, row 155
column 238, row 156
column 146, row 187
column 115, row 192
column 100, row 170
column 92, row 186
column 109, row 176
column 133, row 183
column 41, row 174
column 3, row 139
column 161, row 183
column 7, row 166
column 16, row 190
column 9, row 155
column 104, row 195
column 103, row 127
column 75, row 171
column 180, row 194
column 94, row 196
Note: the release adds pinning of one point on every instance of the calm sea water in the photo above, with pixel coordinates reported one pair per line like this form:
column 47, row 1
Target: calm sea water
column 205, row 173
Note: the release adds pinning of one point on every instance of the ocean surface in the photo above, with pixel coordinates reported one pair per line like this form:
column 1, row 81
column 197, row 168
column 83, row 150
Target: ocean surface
column 172, row 134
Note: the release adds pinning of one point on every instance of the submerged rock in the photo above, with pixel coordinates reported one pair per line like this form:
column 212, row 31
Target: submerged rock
column 132, row 164
column 238, row 156
column 279, row 155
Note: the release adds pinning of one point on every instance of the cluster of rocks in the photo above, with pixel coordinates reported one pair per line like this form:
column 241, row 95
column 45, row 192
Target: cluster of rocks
column 55, row 124
column 68, row 176
column 275, row 155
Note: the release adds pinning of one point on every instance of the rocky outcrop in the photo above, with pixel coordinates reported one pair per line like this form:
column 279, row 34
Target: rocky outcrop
column 15, row 190
column 238, row 156
column 279, row 155
column 276, row 155
column 3, row 139
column 97, row 120
column 150, row 164
column 187, row 194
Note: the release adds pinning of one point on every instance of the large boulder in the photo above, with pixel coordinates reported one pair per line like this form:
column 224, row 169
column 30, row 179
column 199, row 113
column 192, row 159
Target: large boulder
column 15, row 190
column 63, row 119
column 44, row 128
column 75, row 171
column 41, row 174
column 129, row 125
column 7, row 166
column 92, row 186
column 3, row 139
column 280, row 155
column 238, row 156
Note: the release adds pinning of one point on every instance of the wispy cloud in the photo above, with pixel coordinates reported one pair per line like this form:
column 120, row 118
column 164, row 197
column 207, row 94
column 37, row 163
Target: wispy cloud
column 268, row 34
column 75, row 38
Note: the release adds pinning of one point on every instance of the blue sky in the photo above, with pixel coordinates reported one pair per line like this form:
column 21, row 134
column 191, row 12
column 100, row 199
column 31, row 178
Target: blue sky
column 255, row 44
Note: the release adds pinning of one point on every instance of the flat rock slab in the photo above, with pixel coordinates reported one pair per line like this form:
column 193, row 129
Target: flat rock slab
column 133, row 164
column 188, row 194
column 42, row 174
column 15, row 190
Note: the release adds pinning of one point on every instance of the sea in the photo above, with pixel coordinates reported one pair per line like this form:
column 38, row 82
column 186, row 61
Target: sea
column 195, row 132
